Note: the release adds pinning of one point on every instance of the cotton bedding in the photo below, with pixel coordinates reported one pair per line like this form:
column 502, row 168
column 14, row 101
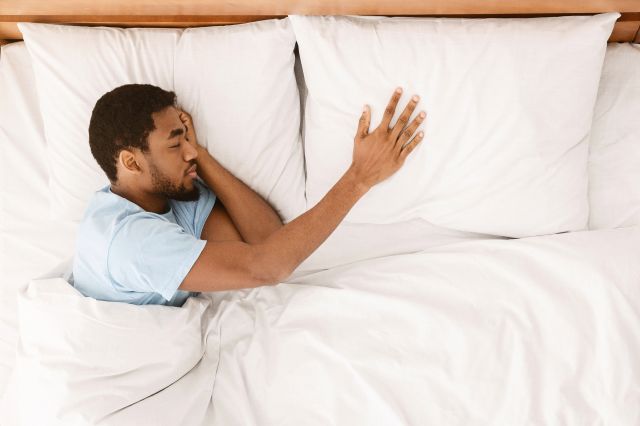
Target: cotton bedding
column 30, row 243
column 541, row 330
column 395, row 324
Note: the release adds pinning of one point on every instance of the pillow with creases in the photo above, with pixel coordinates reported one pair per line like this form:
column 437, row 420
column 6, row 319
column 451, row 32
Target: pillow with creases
column 509, row 105
column 236, row 81
column 614, row 157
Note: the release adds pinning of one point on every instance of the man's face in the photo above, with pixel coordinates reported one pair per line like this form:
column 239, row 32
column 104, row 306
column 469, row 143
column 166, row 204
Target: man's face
column 170, row 158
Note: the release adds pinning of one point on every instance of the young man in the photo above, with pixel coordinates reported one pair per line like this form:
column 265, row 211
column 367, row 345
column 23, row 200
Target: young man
column 157, row 234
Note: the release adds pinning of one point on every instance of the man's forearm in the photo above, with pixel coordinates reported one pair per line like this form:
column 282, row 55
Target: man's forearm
column 250, row 213
column 286, row 248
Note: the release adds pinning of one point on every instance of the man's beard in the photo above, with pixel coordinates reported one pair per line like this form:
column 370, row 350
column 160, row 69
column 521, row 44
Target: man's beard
column 163, row 186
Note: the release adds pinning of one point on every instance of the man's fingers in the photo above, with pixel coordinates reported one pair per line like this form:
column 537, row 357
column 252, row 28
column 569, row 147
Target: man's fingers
column 404, row 117
column 406, row 150
column 409, row 131
column 391, row 109
column 365, row 120
column 184, row 116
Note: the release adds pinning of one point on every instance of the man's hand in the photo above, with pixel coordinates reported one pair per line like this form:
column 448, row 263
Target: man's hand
column 379, row 154
column 191, row 131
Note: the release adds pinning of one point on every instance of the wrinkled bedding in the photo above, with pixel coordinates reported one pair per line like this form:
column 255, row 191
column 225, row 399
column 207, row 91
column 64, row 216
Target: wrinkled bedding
column 536, row 331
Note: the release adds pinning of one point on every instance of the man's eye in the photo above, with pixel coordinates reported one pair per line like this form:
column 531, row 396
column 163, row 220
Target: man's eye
column 174, row 146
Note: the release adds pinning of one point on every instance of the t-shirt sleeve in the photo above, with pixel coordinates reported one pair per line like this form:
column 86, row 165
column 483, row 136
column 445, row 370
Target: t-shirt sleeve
column 151, row 254
column 194, row 214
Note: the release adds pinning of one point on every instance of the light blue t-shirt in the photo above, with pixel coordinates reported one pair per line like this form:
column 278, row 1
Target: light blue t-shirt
column 127, row 254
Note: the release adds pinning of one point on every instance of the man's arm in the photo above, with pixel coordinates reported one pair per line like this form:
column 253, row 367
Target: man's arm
column 219, row 226
column 231, row 265
column 238, row 208
column 376, row 156
column 252, row 216
column 239, row 212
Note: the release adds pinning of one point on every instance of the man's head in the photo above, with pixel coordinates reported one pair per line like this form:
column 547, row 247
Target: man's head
column 138, row 139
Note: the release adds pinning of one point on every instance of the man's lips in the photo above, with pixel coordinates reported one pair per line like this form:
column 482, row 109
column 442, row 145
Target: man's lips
column 192, row 171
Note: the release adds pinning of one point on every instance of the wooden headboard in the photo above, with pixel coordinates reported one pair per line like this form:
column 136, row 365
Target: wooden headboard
column 192, row 13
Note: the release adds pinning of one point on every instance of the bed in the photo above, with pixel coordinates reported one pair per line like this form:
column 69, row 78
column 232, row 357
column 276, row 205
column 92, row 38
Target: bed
column 483, row 318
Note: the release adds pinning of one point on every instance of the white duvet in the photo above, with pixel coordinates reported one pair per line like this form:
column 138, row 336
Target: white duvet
column 536, row 331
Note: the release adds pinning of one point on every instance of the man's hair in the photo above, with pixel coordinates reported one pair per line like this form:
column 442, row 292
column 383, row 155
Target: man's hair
column 122, row 119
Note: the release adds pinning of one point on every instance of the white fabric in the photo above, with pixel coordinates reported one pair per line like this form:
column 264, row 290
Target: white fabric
column 30, row 243
column 93, row 345
column 240, row 89
column 614, row 158
column 239, row 82
column 23, row 172
column 539, row 330
column 509, row 105
column 73, row 67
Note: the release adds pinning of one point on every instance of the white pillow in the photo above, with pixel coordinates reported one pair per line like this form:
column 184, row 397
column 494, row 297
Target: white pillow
column 509, row 105
column 74, row 67
column 614, row 159
column 240, row 85
column 225, row 90
column 22, row 141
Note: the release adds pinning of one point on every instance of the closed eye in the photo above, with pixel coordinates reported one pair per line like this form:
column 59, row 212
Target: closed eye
column 175, row 146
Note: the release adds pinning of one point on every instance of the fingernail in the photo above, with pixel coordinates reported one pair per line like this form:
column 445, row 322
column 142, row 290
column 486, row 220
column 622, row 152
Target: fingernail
column 364, row 108
column 422, row 114
column 421, row 134
column 398, row 89
column 415, row 98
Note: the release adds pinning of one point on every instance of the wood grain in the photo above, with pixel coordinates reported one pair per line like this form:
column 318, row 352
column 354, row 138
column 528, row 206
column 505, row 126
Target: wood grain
column 190, row 13
column 308, row 7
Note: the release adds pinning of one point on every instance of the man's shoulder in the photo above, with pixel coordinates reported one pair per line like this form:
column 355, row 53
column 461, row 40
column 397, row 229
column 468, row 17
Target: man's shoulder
column 107, row 213
column 106, row 205
column 103, row 200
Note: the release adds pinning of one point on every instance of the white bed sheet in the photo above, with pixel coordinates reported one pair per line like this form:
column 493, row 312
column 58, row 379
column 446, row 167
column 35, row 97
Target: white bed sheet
column 539, row 330
column 533, row 331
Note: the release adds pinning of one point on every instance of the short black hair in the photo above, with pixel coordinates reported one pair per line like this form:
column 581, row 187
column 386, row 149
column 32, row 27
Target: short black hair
column 122, row 119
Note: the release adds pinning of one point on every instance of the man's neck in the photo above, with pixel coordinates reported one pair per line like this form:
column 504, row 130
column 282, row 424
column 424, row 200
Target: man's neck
column 148, row 202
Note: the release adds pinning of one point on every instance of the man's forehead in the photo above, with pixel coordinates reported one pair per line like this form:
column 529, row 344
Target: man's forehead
column 166, row 118
column 166, row 122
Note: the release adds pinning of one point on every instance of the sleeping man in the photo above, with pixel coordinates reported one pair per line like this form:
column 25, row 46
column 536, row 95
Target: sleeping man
column 173, row 222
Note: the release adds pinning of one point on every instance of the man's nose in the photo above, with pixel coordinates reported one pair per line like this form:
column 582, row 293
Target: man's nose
column 190, row 153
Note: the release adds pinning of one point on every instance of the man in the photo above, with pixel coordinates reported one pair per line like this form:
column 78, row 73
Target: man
column 157, row 234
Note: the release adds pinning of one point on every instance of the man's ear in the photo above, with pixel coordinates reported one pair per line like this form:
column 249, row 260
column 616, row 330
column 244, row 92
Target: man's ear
column 129, row 162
